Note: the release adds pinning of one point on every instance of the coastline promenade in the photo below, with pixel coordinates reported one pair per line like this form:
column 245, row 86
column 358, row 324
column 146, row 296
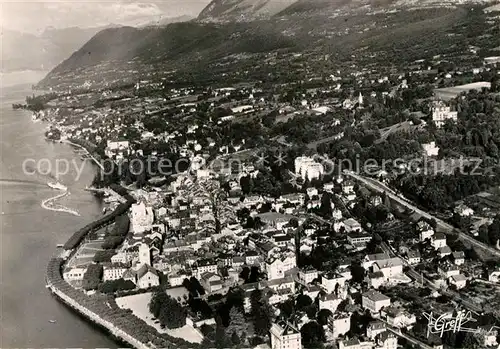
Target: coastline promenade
column 102, row 309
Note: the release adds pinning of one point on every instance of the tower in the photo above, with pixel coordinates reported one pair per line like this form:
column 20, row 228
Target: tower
column 360, row 99
column 144, row 254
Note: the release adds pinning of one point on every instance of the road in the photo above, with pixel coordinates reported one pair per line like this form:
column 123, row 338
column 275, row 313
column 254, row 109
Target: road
column 409, row 338
column 442, row 225
column 98, row 163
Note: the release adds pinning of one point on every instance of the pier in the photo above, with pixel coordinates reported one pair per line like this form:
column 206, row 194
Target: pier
column 48, row 204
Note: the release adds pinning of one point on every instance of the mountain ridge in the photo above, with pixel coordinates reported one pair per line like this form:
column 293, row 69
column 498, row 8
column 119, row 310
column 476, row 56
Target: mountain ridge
column 250, row 10
column 331, row 27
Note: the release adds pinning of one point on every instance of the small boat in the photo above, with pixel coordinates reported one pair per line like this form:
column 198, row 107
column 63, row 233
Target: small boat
column 52, row 321
column 60, row 245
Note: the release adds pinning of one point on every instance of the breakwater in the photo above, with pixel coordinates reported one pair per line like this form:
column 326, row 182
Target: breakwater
column 49, row 204
column 102, row 309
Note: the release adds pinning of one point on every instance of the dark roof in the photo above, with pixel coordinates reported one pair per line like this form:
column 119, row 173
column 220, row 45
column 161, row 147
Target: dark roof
column 144, row 270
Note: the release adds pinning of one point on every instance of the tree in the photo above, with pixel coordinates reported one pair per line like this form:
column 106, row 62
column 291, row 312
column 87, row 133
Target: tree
column 116, row 285
column 287, row 308
column 260, row 312
column 156, row 303
column 103, row 256
column 246, row 184
column 235, row 339
column 235, row 298
column 303, row 301
column 494, row 231
column 495, row 84
column 326, row 206
column 245, row 274
column 168, row 311
column 313, row 335
column 254, row 274
column 323, row 315
column 92, row 277
column 237, row 323
column 201, row 306
column 358, row 272
column 221, row 339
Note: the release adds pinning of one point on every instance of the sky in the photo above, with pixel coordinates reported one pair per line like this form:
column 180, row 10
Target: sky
column 34, row 16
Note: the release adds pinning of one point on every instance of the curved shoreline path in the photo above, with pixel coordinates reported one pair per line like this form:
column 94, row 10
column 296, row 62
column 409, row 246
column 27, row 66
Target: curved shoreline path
column 87, row 152
column 49, row 204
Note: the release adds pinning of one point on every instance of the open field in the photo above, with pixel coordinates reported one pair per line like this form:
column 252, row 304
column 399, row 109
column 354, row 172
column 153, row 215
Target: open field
column 448, row 93
column 138, row 303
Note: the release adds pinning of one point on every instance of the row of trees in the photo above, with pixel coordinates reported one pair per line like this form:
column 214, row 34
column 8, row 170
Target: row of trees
column 113, row 286
column 92, row 277
column 117, row 235
column 441, row 191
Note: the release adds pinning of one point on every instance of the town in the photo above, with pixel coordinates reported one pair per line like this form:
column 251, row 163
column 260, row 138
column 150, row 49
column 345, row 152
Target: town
column 331, row 211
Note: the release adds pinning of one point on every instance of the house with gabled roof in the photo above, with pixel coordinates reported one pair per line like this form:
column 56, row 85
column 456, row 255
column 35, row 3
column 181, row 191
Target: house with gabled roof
column 285, row 336
column 211, row 282
column 147, row 277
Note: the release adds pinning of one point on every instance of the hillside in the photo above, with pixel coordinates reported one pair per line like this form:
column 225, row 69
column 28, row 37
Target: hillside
column 178, row 42
column 209, row 47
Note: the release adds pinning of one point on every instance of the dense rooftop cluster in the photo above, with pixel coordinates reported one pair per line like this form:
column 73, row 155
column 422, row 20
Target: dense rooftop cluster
column 253, row 223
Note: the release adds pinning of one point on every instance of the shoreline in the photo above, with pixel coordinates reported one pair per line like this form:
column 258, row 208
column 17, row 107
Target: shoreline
column 102, row 310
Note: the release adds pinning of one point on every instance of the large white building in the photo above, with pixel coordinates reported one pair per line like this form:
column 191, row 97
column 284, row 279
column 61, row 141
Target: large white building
column 339, row 324
column 74, row 274
column 147, row 277
column 389, row 267
column 113, row 272
column 116, row 149
column 441, row 113
column 329, row 281
column 203, row 266
column 306, row 276
column 374, row 301
column 307, row 168
column 285, row 336
column 276, row 267
column 141, row 217
column 330, row 302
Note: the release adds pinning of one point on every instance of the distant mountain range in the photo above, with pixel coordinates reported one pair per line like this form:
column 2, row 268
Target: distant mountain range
column 242, row 10
column 250, row 10
column 232, row 27
column 24, row 51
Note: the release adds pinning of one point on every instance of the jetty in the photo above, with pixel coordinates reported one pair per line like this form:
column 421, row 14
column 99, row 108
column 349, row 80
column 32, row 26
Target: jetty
column 49, row 204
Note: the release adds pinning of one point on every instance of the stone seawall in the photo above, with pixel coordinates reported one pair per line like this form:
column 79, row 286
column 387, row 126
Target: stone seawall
column 115, row 331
